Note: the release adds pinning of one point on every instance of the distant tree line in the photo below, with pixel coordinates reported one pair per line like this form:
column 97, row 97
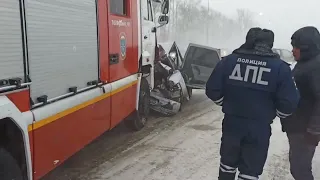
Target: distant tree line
column 191, row 22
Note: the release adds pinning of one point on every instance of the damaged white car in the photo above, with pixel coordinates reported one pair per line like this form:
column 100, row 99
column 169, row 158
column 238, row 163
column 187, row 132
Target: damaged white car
column 177, row 75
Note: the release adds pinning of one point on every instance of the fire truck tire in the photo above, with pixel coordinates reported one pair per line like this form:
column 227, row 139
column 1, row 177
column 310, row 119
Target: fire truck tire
column 139, row 118
column 9, row 168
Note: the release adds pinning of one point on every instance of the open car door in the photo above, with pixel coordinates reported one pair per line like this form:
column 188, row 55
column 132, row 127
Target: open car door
column 198, row 64
column 176, row 55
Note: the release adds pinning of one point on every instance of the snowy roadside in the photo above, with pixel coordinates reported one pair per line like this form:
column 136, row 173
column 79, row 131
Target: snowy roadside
column 183, row 147
column 188, row 152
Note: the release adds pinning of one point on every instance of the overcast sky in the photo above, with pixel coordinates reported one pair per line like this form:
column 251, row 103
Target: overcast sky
column 281, row 16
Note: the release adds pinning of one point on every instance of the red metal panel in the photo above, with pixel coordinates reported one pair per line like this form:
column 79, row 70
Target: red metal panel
column 57, row 141
column 123, row 104
column 103, row 40
column 122, row 27
column 21, row 99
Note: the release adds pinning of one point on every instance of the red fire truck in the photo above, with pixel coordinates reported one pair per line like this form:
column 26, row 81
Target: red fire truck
column 69, row 71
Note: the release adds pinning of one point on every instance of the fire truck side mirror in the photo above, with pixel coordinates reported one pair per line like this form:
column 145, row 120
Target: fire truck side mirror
column 163, row 20
column 165, row 7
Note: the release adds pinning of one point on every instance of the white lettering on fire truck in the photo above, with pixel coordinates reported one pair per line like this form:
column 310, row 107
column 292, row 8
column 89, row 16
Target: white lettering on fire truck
column 120, row 23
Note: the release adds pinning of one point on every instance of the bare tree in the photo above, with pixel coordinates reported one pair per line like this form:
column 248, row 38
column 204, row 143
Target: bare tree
column 245, row 18
column 190, row 22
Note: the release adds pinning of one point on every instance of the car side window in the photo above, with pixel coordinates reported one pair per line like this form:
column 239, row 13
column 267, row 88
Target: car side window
column 205, row 57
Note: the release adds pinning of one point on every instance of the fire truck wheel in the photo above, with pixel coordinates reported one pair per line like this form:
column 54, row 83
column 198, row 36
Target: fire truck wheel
column 9, row 169
column 138, row 119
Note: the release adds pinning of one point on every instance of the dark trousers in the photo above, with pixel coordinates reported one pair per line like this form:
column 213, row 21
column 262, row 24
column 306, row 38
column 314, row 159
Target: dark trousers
column 244, row 146
column 300, row 157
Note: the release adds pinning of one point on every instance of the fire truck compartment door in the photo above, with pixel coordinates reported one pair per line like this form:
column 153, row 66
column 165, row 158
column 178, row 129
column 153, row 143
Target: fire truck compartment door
column 11, row 46
column 62, row 45
column 199, row 62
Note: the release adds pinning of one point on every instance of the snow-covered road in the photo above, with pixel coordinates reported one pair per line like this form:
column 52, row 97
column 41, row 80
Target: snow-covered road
column 183, row 147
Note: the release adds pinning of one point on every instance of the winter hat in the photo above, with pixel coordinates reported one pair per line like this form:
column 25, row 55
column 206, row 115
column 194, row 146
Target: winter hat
column 251, row 38
column 252, row 34
column 266, row 36
column 306, row 38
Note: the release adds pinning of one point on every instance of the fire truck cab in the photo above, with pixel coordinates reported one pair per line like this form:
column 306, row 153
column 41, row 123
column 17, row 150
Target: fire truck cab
column 69, row 71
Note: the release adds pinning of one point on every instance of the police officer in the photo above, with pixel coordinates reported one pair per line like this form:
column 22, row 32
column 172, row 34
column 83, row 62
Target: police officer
column 253, row 86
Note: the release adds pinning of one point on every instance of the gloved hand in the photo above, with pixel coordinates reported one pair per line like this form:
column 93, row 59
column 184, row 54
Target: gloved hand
column 312, row 139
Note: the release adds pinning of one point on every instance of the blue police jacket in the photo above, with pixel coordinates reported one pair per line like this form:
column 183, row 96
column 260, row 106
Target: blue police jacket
column 253, row 87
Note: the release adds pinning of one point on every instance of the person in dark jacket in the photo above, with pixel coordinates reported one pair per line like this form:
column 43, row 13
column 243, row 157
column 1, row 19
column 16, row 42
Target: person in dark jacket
column 253, row 86
column 303, row 127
